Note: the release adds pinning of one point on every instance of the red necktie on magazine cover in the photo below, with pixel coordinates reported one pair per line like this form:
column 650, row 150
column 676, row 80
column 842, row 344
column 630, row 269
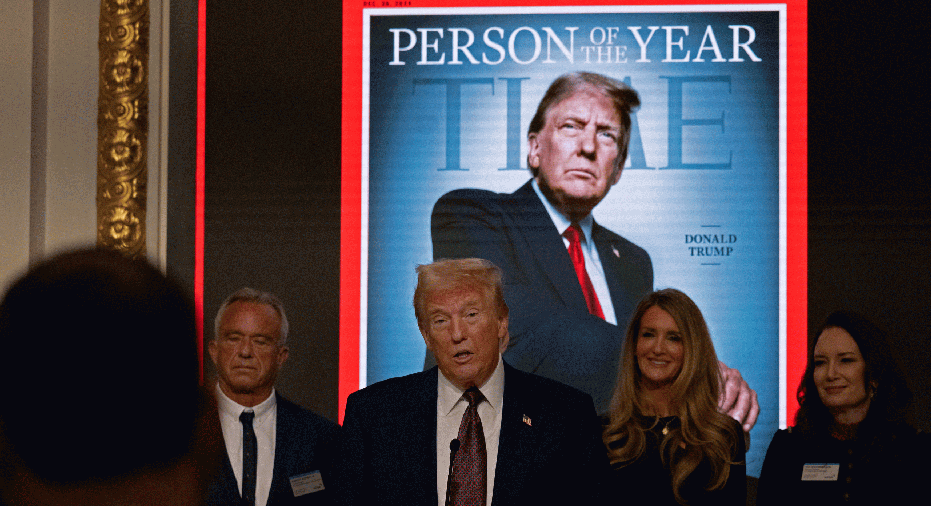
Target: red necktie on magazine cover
column 578, row 261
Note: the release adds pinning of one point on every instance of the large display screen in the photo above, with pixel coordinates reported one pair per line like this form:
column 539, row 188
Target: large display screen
column 439, row 98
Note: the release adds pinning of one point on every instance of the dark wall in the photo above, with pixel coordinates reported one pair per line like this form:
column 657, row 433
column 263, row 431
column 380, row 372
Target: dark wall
column 868, row 193
column 273, row 175
column 182, row 130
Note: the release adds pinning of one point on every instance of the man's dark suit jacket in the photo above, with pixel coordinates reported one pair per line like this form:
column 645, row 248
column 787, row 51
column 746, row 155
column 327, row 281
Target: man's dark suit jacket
column 549, row 447
column 552, row 332
column 304, row 442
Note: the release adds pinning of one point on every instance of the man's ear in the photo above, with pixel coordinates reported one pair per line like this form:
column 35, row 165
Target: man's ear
column 504, row 336
column 617, row 175
column 533, row 151
column 212, row 350
column 426, row 340
column 282, row 355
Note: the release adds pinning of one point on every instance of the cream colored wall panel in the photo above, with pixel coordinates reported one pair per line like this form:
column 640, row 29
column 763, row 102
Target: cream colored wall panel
column 71, row 218
column 15, row 107
column 54, row 185
column 156, row 212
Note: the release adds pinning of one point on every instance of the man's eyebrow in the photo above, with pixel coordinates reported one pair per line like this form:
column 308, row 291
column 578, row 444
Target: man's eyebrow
column 609, row 125
column 569, row 117
column 598, row 124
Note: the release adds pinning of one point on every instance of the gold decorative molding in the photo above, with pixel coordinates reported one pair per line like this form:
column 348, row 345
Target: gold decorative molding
column 122, row 125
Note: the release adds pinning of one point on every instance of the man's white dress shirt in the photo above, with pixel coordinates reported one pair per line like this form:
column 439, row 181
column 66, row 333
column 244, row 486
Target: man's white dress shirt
column 266, row 417
column 589, row 251
column 450, row 406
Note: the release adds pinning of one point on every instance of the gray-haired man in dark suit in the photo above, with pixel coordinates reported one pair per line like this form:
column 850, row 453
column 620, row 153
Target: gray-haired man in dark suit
column 278, row 452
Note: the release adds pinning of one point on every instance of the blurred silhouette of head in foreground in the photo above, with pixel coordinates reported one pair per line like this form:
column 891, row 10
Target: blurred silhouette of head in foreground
column 102, row 402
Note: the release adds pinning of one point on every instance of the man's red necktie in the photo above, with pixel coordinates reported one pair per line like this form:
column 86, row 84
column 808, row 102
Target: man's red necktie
column 469, row 479
column 578, row 261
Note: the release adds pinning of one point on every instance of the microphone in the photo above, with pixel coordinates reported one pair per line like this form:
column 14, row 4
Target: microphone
column 453, row 448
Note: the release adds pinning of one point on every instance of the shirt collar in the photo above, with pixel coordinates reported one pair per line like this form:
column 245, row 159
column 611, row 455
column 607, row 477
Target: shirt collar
column 561, row 221
column 492, row 390
column 232, row 408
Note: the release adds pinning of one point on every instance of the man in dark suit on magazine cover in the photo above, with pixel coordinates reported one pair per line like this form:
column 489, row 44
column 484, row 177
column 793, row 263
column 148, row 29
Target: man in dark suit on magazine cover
column 571, row 284
column 278, row 452
column 513, row 438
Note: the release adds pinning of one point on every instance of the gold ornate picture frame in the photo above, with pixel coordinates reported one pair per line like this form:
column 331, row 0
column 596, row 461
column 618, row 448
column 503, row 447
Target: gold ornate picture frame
column 122, row 126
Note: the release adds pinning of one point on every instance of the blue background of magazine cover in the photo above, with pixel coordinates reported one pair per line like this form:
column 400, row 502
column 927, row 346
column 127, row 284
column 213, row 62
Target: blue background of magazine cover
column 657, row 207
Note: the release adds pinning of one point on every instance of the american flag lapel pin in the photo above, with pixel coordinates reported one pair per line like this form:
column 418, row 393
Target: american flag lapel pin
column 527, row 421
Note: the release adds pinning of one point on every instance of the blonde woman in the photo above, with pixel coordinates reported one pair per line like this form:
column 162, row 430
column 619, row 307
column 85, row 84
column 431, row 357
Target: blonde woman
column 666, row 440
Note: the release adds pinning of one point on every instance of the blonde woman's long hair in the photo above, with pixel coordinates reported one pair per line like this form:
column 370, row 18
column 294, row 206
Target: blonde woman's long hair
column 703, row 433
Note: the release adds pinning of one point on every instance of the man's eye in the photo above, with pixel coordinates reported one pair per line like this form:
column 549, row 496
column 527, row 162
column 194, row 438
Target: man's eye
column 606, row 134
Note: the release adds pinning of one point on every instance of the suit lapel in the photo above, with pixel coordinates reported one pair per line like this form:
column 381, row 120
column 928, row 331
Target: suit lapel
column 422, row 420
column 517, row 442
column 228, row 488
column 225, row 490
column 617, row 272
column 280, row 487
column 546, row 245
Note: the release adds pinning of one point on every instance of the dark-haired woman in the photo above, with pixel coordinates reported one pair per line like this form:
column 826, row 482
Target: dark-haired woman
column 666, row 440
column 850, row 444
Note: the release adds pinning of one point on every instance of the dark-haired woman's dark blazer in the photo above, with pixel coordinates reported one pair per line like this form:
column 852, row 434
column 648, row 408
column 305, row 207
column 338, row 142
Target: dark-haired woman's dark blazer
column 887, row 465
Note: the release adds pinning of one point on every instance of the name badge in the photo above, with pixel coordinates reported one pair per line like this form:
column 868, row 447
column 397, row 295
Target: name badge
column 306, row 483
column 820, row 472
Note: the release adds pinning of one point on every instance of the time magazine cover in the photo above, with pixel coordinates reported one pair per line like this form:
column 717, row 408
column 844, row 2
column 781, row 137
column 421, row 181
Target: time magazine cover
column 441, row 98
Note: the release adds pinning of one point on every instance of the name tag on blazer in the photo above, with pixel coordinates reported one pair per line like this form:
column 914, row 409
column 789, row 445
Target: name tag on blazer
column 307, row 483
column 820, row 472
